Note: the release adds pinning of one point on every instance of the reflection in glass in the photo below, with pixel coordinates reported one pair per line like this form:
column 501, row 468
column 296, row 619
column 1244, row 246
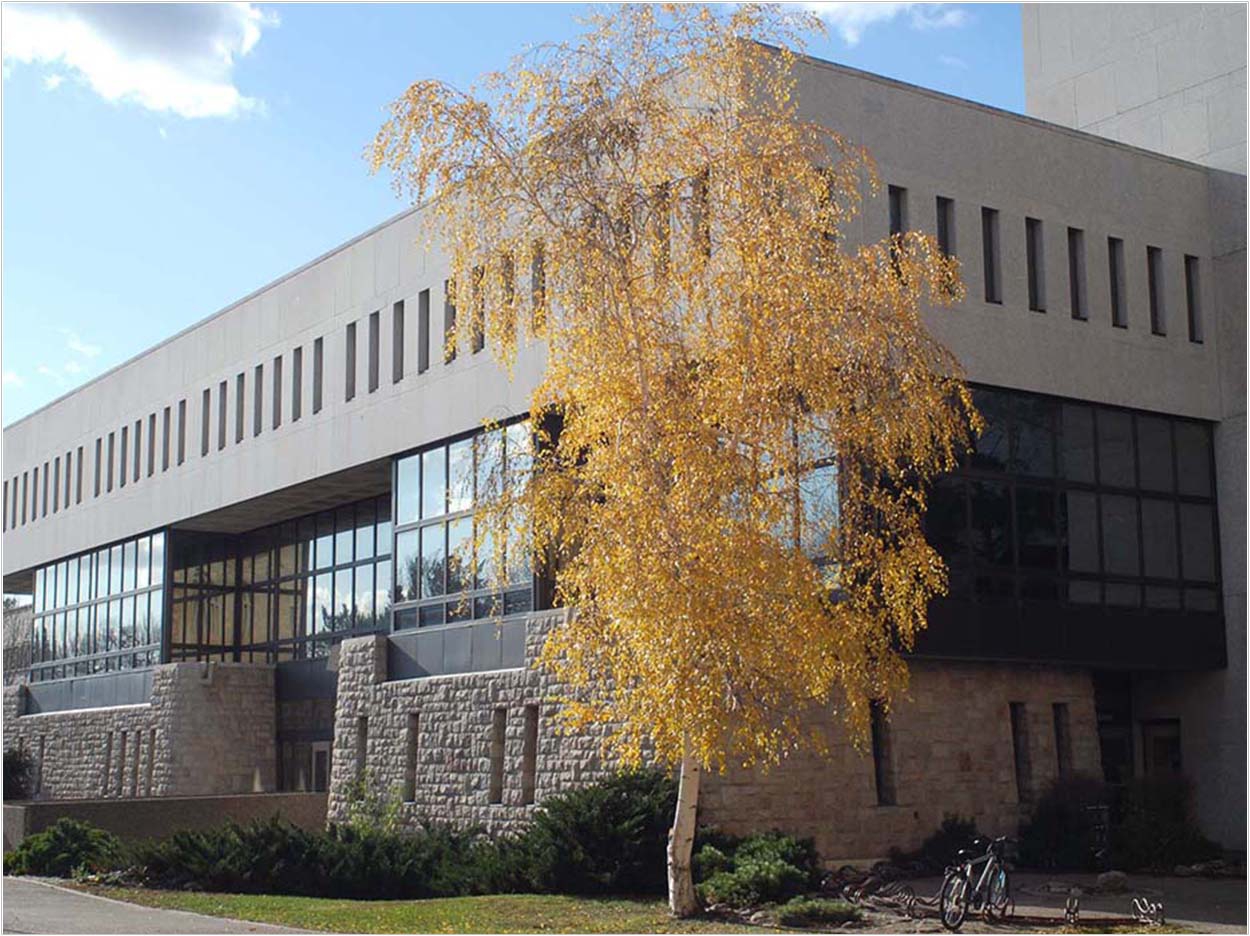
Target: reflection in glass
column 1082, row 527
column 434, row 483
column 344, row 600
column 460, row 476
column 143, row 563
column 433, row 560
column 1198, row 542
column 1115, row 449
column 1035, row 436
column 365, row 520
column 991, row 522
column 1119, row 535
column 484, row 573
column 1193, row 459
column 1158, row 518
column 344, row 535
column 1078, row 443
column 992, row 452
column 408, row 566
column 408, row 489
column 1039, row 540
column 115, row 570
column 1154, row 450
column 323, row 603
column 459, row 554
column 324, row 547
column 489, row 464
column 128, row 566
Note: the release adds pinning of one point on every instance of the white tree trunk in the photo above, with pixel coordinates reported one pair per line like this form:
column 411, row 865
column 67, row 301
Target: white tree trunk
column 681, row 897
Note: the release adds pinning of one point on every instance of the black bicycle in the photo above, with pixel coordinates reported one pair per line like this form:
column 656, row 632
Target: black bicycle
column 978, row 883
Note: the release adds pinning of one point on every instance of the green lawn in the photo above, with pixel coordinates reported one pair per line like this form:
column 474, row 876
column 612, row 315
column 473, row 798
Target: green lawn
column 507, row 913
column 511, row 913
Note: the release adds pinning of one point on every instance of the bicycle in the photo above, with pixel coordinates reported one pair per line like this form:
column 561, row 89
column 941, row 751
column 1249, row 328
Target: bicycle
column 991, row 893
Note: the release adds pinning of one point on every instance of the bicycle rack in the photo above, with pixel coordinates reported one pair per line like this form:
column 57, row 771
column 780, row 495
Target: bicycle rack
column 881, row 892
column 1072, row 910
column 1146, row 911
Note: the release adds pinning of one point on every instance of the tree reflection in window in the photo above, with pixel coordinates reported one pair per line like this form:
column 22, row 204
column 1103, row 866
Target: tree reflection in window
column 1067, row 501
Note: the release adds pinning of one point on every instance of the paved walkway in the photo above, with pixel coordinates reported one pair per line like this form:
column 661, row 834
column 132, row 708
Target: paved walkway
column 34, row 906
column 1206, row 905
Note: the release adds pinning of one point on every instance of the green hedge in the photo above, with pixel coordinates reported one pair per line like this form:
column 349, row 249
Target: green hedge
column 609, row 838
column 64, row 848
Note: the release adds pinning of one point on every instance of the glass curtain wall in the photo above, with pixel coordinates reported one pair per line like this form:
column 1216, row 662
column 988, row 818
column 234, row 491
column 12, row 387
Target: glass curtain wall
column 439, row 577
column 1087, row 505
column 301, row 586
column 100, row 611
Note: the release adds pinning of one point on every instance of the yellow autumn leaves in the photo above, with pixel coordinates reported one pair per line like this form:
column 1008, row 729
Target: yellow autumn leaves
column 741, row 409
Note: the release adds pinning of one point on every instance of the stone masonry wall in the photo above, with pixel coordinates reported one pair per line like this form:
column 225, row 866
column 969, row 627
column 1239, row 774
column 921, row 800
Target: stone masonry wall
column 208, row 729
column 950, row 743
column 950, row 751
column 454, row 719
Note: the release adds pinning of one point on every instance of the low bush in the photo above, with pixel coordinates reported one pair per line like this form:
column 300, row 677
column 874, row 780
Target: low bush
column 66, row 847
column 755, row 870
column 19, row 772
column 275, row 857
column 816, row 911
column 1150, row 827
column 610, row 837
column 1153, row 829
column 606, row 838
column 1061, row 834
column 940, row 848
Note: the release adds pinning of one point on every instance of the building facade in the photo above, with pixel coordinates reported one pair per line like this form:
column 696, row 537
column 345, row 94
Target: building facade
column 274, row 498
column 1168, row 77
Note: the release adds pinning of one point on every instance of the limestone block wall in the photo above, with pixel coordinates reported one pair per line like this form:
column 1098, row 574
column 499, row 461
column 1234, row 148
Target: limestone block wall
column 950, row 751
column 208, row 729
column 454, row 721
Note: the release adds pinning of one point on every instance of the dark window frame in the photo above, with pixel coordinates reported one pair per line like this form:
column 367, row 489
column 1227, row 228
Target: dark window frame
column 1115, row 277
column 1019, row 577
column 991, row 256
column 1035, row 258
column 1156, row 291
column 1077, row 285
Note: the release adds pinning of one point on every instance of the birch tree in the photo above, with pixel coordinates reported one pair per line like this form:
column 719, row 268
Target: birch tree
column 741, row 407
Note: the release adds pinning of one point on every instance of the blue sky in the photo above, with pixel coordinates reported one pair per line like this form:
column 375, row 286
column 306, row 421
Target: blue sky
column 159, row 163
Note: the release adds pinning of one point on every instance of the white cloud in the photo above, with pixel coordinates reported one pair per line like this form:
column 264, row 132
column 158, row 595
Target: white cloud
column 52, row 82
column 166, row 57
column 72, row 367
column 78, row 346
column 43, row 370
column 850, row 20
column 14, row 379
column 952, row 61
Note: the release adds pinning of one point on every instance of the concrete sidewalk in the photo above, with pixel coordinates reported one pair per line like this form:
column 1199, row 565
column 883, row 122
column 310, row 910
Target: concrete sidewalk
column 35, row 906
column 1208, row 905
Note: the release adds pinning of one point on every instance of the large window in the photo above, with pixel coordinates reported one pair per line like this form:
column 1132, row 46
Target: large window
column 1088, row 505
column 283, row 592
column 440, row 577
column 100, row 611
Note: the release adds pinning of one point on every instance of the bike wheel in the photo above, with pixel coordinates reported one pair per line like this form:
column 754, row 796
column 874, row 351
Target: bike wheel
column 953, row 905
column 999, row 898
